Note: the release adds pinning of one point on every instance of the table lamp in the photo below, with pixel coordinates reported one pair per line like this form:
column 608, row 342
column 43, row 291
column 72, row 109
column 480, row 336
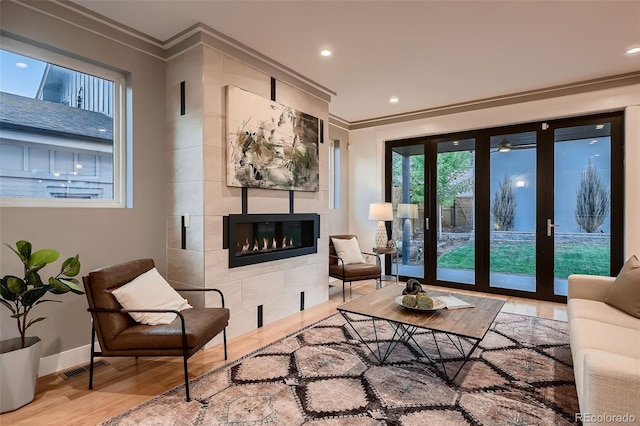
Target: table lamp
column 381, row 212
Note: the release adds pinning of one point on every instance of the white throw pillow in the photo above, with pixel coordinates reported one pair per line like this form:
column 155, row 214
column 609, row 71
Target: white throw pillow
column 150, row 291
column 348, row 250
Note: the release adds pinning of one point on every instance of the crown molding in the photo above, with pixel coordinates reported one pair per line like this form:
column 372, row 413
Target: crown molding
column 603, row 83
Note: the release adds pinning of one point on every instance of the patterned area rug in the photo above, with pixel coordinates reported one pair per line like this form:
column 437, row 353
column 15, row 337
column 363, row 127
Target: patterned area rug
column 520, row 374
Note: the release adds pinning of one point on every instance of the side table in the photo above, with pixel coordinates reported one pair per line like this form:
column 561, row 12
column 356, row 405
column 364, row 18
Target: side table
column 395, row 255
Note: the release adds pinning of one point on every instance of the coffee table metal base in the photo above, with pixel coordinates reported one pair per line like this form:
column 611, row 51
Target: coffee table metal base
column 405, row 333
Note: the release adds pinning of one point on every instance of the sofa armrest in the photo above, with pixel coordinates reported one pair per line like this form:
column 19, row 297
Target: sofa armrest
column 611, row 384
column 592, row 287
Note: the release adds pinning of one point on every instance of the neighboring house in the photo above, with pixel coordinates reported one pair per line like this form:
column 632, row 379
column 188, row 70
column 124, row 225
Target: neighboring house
column 58, row 145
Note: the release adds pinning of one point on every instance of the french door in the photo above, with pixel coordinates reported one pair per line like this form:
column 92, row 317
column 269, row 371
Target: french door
column 512, row 210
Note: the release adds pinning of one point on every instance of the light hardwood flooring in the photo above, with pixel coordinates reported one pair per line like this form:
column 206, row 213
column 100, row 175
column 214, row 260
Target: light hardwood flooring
column 125, row 382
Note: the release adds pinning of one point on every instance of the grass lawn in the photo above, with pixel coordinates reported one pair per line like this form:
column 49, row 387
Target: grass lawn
column 519, row 258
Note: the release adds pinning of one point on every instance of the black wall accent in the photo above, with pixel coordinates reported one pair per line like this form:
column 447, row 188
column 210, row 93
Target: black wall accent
column 302, row 300
column 291, row 202
column 182, row 98
column 225, row 232
column 273, row 89
column 245, row 200
column 183, row 234
column 321, row 125
column 259, row 316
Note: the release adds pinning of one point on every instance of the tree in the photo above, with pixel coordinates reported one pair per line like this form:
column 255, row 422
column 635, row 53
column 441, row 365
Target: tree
column 504, row 206
column 454, row 177
column 592, row 200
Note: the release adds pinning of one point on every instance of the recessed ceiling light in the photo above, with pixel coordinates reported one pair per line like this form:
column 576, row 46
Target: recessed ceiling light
column 456, row 143
column 325, row 52
column 633, row 50
column 21, row 65
column 393, row 100
column 593, row 142
column 101, row 130
column 599, row 126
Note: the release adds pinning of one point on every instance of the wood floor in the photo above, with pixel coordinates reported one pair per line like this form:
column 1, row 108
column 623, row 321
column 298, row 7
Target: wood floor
column 124, row 382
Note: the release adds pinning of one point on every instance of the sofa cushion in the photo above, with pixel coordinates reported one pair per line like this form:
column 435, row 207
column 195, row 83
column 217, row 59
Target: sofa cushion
column 599, row 311
column 590, row 334
column 624, row 293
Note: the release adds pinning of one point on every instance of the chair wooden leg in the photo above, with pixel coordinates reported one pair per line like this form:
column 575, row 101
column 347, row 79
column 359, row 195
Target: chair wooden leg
column 343, row 299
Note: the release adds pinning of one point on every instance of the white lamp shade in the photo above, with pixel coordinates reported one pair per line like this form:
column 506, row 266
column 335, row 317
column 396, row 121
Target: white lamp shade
column 380, row 211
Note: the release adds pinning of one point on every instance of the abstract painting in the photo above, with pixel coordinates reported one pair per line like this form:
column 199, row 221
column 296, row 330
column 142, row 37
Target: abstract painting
column 270, row 145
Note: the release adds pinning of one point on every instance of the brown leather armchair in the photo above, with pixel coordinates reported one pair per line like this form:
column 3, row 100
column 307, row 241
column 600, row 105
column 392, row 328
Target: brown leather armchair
column 352, row 271
column 119, row 335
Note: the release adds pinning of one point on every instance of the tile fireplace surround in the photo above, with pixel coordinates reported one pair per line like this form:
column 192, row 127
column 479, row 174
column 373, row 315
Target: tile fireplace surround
column 197, row 187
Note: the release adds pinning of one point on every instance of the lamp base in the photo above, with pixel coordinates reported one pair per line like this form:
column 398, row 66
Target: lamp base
column 381, row 235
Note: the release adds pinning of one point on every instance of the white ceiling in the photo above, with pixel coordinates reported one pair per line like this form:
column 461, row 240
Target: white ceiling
column 427, row 53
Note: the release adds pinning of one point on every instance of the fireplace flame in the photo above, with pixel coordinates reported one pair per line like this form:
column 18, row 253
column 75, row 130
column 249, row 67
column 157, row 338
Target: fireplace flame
column 245, row 246
column 274, row 244
column 284, row 242
column 291, row 241
column 265, row 244
column 255, row 245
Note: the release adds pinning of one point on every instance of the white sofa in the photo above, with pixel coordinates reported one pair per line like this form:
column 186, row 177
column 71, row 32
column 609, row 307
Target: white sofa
column 605, row 346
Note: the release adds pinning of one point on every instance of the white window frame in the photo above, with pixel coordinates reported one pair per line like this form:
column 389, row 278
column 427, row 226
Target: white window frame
column 119, row 128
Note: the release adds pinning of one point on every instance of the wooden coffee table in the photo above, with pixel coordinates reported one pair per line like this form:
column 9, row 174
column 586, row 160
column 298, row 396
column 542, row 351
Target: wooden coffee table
column 458, row 325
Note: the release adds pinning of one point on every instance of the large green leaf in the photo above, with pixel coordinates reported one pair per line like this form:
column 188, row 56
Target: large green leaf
column 32, row 295
column 4, row 289
column 71, row 266
column 24, row 247
column 15, row 285
column 57, row 287
column 41, row 258
column 73, row 285
column 33, row 279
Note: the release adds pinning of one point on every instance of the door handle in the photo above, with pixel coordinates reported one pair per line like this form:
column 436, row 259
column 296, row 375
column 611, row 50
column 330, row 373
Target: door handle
column 426, row 223
column 550, row 227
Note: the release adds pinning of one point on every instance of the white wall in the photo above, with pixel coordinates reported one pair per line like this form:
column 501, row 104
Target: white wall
column 367, row 168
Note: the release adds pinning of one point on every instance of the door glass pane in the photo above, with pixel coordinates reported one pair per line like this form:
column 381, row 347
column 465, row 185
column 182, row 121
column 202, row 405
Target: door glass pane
column 407, row 197
column 582, row 207
column 512, row 254
column 455, row 198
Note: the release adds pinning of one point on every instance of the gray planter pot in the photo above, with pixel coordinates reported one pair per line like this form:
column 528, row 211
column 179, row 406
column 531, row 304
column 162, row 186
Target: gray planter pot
column 18, row 372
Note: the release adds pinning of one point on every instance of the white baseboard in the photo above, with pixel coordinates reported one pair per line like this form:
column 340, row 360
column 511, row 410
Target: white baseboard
column 64, row 360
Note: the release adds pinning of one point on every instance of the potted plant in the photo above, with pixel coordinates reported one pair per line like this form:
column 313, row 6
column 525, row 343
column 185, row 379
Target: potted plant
column 20, row 356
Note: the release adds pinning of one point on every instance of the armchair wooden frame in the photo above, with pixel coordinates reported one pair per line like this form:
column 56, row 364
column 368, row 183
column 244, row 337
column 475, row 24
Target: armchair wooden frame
column 208, row 323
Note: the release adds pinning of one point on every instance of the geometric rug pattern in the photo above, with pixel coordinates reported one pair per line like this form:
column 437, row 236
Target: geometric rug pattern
column 520, row 374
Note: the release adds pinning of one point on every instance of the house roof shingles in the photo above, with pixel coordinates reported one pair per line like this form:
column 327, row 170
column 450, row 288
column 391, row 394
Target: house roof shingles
column 22, row 112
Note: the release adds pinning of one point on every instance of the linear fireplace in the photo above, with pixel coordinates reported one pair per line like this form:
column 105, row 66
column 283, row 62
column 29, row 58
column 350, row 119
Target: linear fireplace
column 257, row 238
